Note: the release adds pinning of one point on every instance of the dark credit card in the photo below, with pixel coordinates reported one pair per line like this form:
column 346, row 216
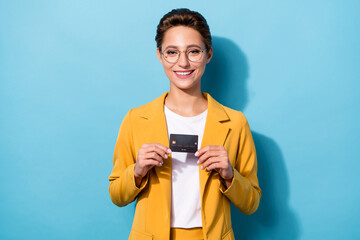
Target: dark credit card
column 183, row 143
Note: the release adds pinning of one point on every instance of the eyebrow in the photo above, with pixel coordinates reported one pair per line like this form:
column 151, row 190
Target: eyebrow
column 189, row 46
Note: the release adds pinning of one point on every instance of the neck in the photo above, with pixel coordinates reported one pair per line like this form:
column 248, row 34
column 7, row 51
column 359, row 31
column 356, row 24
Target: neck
column 188, row 103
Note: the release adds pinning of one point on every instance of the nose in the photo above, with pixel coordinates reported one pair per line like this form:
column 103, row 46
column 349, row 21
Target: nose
column 183, row 60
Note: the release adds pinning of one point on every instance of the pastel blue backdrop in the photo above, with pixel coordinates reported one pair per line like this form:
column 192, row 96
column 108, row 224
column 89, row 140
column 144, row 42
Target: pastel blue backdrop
column 70, row 71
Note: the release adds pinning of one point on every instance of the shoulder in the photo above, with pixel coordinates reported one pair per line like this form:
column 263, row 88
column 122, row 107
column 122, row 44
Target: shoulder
column 237, row 122
column 224, row 114
column 153, row 107
column 235, row 115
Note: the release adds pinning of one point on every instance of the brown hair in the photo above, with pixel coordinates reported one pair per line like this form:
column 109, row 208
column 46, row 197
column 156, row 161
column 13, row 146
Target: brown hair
column 187, row 18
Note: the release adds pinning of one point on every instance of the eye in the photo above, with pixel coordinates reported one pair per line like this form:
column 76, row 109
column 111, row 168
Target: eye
column 194, row 51
column 171, row 52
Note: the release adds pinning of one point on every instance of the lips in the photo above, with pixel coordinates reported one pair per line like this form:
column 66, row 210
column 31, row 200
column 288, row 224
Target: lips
column 183, row 74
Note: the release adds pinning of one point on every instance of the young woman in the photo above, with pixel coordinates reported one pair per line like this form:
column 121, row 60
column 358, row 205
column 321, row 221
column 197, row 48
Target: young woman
column 181, row 194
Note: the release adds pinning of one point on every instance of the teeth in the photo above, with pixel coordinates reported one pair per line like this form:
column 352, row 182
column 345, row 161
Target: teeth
column 184, row 73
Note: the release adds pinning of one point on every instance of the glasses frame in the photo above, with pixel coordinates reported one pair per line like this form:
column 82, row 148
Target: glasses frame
column 187, row 57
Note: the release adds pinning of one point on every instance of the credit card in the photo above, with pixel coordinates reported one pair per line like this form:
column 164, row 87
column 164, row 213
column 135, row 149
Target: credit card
column 183, row 143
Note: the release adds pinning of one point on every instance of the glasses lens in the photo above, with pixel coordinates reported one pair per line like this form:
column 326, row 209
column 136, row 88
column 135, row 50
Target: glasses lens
column 171, row 55
column 194, row 54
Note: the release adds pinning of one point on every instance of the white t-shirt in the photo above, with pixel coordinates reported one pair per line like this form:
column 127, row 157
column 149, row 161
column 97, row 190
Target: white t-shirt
column 185, row 194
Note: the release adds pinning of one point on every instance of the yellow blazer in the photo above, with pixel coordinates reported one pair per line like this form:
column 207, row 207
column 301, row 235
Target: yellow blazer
column 147, row 124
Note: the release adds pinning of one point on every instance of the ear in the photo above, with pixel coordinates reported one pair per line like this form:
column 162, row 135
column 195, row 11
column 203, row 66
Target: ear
column 159, row 55
column 209, row 55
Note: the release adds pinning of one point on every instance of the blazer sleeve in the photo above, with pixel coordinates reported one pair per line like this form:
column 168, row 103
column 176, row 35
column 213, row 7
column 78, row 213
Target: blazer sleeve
column 123, row 189
column 244, row 191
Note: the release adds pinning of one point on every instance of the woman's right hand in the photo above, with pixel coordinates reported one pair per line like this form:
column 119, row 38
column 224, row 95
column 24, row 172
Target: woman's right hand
column 149, row 155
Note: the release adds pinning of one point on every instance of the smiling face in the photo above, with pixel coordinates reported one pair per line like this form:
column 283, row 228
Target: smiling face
column 183, row 74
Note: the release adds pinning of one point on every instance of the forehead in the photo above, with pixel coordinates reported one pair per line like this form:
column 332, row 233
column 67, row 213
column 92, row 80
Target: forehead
column 181, row 36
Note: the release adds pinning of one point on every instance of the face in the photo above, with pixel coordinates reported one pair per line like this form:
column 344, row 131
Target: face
column 183, row 74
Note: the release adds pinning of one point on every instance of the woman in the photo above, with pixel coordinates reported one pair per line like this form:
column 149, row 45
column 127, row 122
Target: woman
column 181, row 194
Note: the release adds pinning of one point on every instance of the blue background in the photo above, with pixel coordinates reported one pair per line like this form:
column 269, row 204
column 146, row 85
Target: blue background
column 70, row 70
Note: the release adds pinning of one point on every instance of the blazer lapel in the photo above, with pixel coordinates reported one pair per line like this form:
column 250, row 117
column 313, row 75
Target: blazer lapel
column 215, row 133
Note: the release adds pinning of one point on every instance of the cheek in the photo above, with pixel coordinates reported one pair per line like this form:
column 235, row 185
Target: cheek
column 167, row 67
column 202, row 66
column 168, row 71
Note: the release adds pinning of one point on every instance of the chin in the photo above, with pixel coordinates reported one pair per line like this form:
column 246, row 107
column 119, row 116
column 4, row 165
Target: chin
column 185, row 86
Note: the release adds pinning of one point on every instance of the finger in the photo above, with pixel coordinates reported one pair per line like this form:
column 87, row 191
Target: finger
column 154, row 163
column 164, row 148
column 201, row 151
column 217, row 166
column 153, row 151
column 209, row 154
column 153, row 155
column 204, row 157
column 209, row 162
column 150, row 163
column 159, row 149
column 145, row 166
column 207, row 148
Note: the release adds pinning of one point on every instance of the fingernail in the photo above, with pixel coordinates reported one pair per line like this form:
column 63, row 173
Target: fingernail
column 196, row 154
column 197, row 162
column 161, row 163
column 166, row 156
column 202, row 167
column 169, row 150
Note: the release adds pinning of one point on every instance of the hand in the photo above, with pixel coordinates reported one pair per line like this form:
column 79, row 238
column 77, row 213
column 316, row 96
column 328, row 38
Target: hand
column 215, row 157
column 149, row 155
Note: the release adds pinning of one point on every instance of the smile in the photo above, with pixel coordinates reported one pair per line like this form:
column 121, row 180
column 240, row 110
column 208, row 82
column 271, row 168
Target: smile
column 183, row 74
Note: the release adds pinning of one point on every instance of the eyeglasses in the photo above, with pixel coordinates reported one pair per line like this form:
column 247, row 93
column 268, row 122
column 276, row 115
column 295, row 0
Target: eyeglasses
column 193, row 54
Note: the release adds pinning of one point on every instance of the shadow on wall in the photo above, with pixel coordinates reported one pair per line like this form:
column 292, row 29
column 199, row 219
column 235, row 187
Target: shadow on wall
column 226, row 75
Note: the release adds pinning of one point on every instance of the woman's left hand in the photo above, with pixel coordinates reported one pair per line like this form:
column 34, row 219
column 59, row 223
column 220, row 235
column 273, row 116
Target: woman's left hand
column 215, row 157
